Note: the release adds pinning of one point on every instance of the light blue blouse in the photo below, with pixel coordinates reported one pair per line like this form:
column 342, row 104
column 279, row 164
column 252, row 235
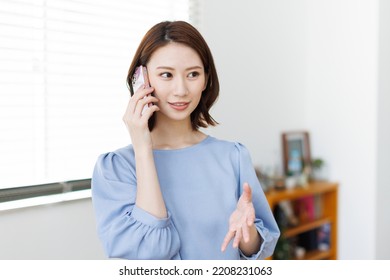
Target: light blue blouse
column 200, row 185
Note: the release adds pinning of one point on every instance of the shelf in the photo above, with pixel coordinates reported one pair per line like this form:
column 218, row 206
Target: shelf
column 275, row 196
column 326, row 198
column 306, row 227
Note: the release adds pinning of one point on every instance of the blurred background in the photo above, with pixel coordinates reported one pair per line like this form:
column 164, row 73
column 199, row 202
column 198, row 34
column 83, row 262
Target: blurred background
column 318, row 66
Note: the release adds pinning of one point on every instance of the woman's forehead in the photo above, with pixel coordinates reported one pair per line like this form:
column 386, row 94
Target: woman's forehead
column 175, row 55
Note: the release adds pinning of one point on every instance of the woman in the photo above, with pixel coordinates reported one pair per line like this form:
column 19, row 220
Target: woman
column 177, row 193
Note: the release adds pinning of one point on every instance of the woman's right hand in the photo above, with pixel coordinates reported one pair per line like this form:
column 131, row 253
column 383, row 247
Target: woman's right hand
column 135, row 121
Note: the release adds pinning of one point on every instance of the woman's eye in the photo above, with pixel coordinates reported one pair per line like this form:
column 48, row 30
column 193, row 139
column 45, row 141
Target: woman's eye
column 193, row 74
column 166, row 75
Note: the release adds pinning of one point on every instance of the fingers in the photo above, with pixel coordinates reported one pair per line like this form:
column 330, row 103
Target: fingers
column 247, row 192
column 143, row 91
column 148, row 112
column 237, row 238
column 137, row 97
column 137, row 103
column 229, row 236
column 145, row 101
column 237, row 235
column 251, row 212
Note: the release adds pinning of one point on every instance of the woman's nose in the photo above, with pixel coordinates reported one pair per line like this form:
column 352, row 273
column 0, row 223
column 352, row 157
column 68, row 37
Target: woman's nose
column 181, row 87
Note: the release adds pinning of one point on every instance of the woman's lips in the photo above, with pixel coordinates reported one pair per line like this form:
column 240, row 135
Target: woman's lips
column 180, row 106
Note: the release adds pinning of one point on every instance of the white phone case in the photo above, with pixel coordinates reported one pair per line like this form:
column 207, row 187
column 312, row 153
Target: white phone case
column 140, row 78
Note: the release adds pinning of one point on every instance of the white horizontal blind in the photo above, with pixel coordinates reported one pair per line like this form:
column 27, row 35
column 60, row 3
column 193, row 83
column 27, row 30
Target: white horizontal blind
column 63, row 65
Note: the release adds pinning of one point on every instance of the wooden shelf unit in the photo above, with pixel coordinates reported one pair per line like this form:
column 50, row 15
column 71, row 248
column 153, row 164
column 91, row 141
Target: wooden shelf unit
column 328, row 193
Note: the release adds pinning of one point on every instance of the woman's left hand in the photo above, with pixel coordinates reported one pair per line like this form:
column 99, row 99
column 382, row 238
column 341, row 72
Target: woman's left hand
column 241, row 220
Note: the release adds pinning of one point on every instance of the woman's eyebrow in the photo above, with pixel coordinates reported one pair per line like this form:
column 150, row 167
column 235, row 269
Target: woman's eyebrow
column 171, row 68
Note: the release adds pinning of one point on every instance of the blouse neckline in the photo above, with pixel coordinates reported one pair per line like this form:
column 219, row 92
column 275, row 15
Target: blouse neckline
column 201, row 143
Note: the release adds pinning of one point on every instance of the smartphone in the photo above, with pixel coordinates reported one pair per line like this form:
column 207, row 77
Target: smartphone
column 139, row 79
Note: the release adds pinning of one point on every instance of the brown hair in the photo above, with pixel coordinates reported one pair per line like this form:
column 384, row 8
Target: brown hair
column 184, row 33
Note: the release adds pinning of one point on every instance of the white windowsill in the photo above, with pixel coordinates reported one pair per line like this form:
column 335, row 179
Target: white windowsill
column 43, row 200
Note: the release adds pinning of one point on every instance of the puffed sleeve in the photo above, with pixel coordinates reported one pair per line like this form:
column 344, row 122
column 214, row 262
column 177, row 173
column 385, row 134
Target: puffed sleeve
column 264, row 221
column 125, row 230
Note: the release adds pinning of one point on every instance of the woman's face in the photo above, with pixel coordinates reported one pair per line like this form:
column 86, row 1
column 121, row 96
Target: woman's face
column 177, row 74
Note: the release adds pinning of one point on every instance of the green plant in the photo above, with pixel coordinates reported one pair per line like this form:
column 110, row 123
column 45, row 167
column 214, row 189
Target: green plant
column 317, row 163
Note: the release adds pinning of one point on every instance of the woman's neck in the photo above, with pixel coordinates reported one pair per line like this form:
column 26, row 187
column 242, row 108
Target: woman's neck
column 175, row 135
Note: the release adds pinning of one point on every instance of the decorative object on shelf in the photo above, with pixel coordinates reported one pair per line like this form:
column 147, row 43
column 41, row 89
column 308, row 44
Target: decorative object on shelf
column 279, row 183
column 318, row 170
column 303, row 179
column 296, row 152
column 300, row 252
column 290, row 182
column 270, row 180
column 317, row 163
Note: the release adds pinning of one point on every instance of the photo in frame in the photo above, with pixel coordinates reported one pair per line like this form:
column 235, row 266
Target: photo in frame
column 296, row 152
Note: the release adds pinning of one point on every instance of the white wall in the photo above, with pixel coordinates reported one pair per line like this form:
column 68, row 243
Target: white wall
column 59, row 231
column 383, row 194
column 341, row 111
column 310, row 65
column 259, row 49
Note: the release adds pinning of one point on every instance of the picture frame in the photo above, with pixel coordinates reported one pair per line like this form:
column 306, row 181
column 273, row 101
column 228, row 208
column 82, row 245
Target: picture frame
column 296, row 151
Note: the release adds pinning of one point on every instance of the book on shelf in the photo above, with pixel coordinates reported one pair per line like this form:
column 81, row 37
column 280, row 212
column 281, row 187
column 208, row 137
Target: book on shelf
column 318, row 206
column 308, row 208
column 315, row 239
column 308, row 240
column 323, row 236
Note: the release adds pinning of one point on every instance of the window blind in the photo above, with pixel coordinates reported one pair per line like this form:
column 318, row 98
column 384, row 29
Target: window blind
column 63, row 66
